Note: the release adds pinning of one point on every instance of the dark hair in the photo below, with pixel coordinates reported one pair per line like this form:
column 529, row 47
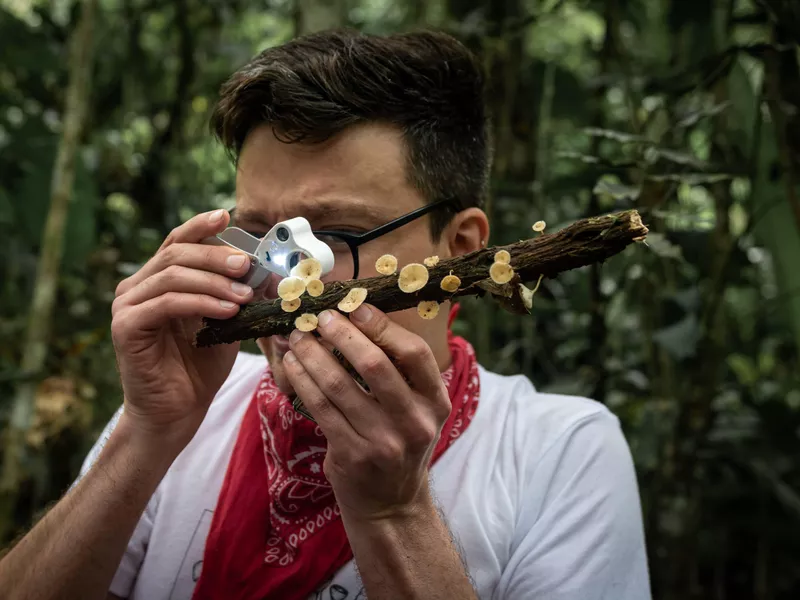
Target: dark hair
column 426, row 83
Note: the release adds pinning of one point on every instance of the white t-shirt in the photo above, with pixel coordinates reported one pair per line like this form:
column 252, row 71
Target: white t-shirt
column 539, row 492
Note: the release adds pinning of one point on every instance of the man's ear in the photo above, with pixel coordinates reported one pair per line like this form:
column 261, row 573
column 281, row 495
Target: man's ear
column 467, row 232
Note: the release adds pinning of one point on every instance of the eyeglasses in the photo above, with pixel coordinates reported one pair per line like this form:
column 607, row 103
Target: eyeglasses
column 345, row 244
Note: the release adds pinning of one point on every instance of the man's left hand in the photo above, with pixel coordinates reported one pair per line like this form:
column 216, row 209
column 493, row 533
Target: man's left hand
column 379, row 443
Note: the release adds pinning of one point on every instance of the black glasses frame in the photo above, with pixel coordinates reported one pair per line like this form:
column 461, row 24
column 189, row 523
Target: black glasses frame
column 354, row 240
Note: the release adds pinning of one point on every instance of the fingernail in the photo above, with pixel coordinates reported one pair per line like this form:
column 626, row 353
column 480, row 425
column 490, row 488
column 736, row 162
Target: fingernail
column 240, row 289
column 235, row 261
column 290, row 358
column 296, row 336
column 216, row 215
column 227, row 304
column 362, row 314
column 324, row 318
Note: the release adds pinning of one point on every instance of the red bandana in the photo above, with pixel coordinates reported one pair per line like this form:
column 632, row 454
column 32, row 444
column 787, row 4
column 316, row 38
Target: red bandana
column 281, row 536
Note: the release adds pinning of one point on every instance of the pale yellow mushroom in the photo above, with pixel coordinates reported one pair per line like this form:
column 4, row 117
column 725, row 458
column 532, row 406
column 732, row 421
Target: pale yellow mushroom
column 502, row 257
column 413, row 278
column 355, row 298
column 290, row 305
column 501, row 273
column 428, row 309
column 315, row 288
column 450, row 283
column 307, row 269
column 431, row 261
column 290, row 288
column 539, row 226
column 306, row 322
column 527, row 296
column 386, row 264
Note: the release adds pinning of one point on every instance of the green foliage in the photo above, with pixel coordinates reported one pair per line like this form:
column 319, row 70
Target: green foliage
column 685, row 111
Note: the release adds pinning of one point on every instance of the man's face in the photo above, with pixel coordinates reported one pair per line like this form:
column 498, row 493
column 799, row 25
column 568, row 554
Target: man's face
column 353, row 182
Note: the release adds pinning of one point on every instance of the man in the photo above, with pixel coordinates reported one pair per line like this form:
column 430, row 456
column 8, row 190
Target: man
column 442, row 481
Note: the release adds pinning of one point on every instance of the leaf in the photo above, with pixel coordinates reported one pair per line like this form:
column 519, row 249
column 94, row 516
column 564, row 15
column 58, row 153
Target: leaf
column 743, row 368
column 692, row 178
column 617, row 191
column 679, row 340
column 696, row 116
column 617, row 136
column 680, row 158
column 658, row 243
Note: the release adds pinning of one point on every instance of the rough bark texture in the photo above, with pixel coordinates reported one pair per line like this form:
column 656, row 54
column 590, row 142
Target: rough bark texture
column 585, row 242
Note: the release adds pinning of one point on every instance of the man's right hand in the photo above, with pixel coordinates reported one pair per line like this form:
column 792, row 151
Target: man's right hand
column 168, row 383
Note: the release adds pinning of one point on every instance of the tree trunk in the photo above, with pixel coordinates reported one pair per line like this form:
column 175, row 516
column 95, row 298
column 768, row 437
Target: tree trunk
column 37, row 332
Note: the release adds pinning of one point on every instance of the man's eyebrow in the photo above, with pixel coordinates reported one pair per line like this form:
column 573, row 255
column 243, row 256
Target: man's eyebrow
column 312, row 212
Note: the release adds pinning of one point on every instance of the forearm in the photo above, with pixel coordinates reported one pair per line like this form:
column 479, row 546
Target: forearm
column 410, row 557
column 74, row 551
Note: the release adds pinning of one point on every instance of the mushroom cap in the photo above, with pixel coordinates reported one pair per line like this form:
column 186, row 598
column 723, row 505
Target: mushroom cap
column 315, row 288
column 450, row 283
column 428, row 309
column 386, row 264
column 291, row 287
column 306, row 322
column 501, row 273
column 354, row 298
column 539, row 226
column 413, row 278
column 431, row 261
column 307, row 269
column 290, row 305
column 502, row 256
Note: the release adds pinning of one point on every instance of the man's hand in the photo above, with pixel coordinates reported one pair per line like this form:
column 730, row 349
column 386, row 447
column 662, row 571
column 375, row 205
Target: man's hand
column 169, row 384
column 379, row 444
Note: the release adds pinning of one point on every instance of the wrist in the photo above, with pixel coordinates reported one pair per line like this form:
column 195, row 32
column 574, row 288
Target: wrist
column 420, row 509
column 154, row 448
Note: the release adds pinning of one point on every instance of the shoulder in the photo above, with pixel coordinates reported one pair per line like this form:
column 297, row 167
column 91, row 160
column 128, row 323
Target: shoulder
column 536, row 421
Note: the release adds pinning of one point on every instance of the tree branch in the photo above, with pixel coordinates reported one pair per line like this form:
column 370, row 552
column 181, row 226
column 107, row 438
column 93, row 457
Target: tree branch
column 585, row 242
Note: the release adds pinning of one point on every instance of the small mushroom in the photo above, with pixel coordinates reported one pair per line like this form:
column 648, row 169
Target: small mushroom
column 290, row 305
column 306, row 322
column 428, row 309
column 315, row 288
column 527, row 296
column 501, row 272
column 355, row 298
column 307, row 269
column 413, row 278
column 431, row 261
column 450, row 283
column 539, row 226
column 386, row 264
column 291, row 287
column 502, row 257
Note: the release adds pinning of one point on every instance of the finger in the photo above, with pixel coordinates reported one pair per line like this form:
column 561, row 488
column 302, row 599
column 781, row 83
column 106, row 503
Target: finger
column 411, row 353
column 359, row 408
column 176, row 278
column 335, row 426
column 215, row 259
column 371, row 362
column 156, row 312
column 198, row 228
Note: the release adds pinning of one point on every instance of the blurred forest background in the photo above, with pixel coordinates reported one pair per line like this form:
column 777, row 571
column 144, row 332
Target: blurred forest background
column 688, row 111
